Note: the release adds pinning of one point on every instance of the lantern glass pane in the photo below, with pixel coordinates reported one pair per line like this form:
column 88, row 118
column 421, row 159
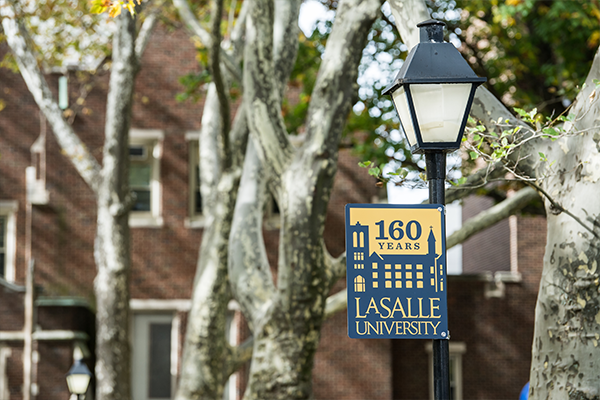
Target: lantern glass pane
column 440, row 109
column 78, row 383
column 401, row 103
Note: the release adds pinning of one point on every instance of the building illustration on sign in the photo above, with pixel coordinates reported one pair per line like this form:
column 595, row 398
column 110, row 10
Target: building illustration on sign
column 398, row 271
column 396, row 275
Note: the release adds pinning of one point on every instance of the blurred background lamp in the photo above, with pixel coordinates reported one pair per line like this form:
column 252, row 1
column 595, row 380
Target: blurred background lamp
column 78, row 378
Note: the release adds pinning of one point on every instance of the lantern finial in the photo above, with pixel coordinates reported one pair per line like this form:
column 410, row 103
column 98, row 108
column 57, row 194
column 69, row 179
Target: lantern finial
column 431, row 31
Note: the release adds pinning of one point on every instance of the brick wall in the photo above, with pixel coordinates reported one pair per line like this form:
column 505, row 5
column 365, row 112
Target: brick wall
column 498, row 332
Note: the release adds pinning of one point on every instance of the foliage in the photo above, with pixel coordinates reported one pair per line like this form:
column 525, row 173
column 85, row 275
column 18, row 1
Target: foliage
column 114, row 7
column 535, row 54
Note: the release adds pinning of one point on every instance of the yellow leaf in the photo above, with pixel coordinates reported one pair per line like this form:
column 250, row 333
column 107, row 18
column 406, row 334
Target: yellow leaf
column 594, row 39
column 513, row 2
column 131, row 7
column 114, row 10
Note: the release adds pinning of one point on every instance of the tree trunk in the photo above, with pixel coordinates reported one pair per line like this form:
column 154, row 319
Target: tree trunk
column 112, row 250
column 566, row 356
column 287, row 326
column 206, row 353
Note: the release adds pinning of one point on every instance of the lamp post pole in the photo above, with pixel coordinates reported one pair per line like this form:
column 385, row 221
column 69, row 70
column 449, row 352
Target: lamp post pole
column 432, row 94
column 435, row 162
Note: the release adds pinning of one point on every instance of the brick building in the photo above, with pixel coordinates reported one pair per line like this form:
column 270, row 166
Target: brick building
column 491, row 304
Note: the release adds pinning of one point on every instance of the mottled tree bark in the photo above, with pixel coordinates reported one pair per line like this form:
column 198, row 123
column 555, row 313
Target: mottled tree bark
column 566, row 356
column 110, row 184
column 286, row 325
column 111, row 248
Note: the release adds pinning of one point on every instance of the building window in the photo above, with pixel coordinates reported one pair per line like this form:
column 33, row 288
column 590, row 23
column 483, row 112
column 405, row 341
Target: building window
column 145, row 150
column 8, row 239
column 359, row 284
column 154, row 356
column 195, row 218
column 457, row 349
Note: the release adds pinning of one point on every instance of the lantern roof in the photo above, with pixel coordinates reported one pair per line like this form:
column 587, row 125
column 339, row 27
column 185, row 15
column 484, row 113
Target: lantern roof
column 433, row 61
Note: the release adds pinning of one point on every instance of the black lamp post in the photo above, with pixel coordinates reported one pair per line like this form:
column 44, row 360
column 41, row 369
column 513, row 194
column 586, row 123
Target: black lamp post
column 432, row 94
column 78, row 378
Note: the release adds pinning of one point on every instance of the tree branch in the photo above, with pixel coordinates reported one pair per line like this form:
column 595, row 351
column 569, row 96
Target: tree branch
column 18, row 39
column 218, row 81
column 491, row 216
column 205, row 38
column 143, row 37
column 557, row 208
column 261, row 96
column 248, row 266
column 475, row 181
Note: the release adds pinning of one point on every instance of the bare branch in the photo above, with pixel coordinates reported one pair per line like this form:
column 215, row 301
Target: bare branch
column 260, row 90
column 491, row 216
column 218, row 81
column 475, row 181
column 18, row 39
column 336, row 303
column 336, row 83
column 248, row 266
column 557, row 208
column 285, row 39
column 205, row 38
column 145, row 32
column 407, row 14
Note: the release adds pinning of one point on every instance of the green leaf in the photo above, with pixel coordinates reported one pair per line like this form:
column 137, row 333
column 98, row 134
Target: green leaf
column 521, row 112
column 375, row 171
column 476, row 137
column 473, row 155
column 542, row 156
column 364, row 164
column 596, row 82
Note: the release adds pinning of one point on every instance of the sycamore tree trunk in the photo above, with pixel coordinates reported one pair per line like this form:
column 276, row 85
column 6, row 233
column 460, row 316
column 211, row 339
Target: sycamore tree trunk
column 109, row 183
column 566, row 355
column 208, row 360
column 111, row 248
column 286, row 319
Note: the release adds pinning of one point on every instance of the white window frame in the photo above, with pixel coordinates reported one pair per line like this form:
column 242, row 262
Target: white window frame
column 194, row 219
column 153, row 139
column 8, row 209
column 5, row 353
column 456, row 351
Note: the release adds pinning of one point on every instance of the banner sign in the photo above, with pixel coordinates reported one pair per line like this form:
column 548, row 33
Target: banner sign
column 396, row 271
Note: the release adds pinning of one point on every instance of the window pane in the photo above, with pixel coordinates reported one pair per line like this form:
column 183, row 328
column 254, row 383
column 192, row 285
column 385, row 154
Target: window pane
column 2, row 232
column 2, row 247
column 160, row 361
column 198, row 195
column 142, row 201
column 139, row 175
column 137, row 151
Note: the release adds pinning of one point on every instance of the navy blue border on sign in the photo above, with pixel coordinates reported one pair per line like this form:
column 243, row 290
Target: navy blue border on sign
column 396, row 290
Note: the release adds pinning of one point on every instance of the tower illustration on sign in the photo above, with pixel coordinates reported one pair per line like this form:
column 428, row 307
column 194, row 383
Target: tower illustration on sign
column 380, row 270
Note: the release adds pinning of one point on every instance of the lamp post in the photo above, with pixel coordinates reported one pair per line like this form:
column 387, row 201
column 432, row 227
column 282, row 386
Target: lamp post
column 78, row 378
column 432, row 94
